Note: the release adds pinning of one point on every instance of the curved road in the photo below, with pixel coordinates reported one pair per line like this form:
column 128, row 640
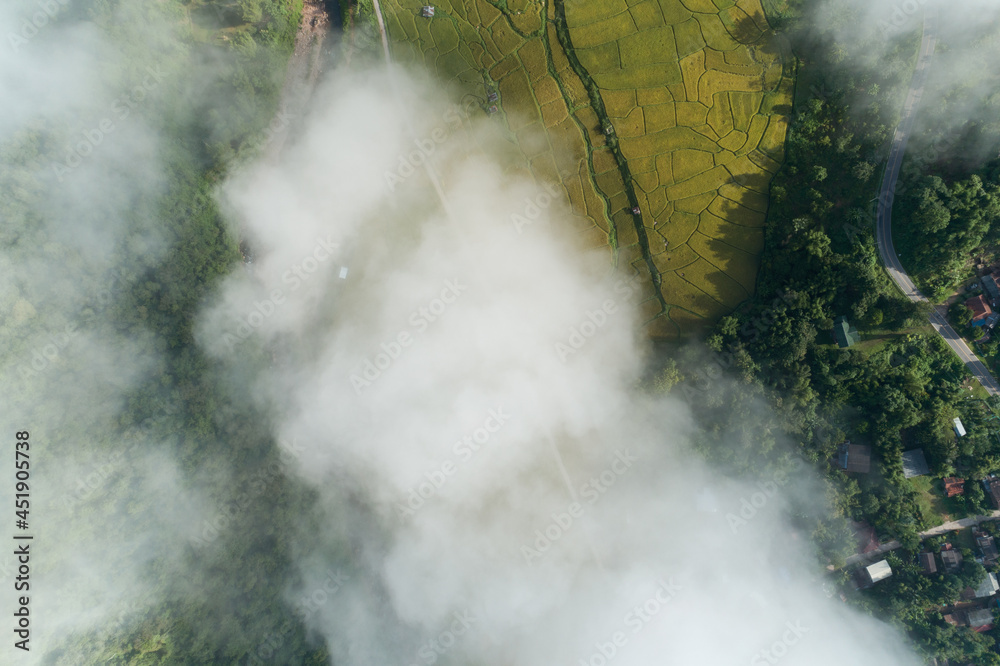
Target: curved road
column 883, row 224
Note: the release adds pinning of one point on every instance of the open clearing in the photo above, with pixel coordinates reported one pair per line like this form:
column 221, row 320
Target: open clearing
column 679, row 107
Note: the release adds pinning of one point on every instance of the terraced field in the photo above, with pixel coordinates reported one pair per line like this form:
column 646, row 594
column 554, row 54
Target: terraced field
column 676, row 108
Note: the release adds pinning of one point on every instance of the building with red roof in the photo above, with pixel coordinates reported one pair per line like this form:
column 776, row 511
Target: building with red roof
column 954, row 486
column 980, row 309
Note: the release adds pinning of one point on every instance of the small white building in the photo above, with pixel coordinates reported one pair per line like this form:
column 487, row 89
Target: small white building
column 878, row 571
column 959, row 428
column 343, row 272
column 427, row 11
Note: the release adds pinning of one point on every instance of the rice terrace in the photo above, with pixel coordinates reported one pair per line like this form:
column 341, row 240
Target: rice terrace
column 663, row 120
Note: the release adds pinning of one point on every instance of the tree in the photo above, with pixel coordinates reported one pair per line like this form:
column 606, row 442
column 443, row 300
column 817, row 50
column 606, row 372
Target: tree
column 668, row 377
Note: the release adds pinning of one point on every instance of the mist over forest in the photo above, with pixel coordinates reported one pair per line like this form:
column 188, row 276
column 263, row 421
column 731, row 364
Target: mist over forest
column 316, row 372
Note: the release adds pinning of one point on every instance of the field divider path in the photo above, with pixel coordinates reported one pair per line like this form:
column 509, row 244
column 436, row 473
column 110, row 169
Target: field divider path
column 560, row 462
column 562, row 32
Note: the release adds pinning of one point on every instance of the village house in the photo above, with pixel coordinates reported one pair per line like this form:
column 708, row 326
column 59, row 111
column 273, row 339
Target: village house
column 951, row 559
column 980, row 620
column 915, row 464
column 980, row 310
column 991, row 485
column 987, row 547
column 928, row 564
column 988, row 587
column 954, row 486
column 845, row 334
column 872, row 574
column 854, row 458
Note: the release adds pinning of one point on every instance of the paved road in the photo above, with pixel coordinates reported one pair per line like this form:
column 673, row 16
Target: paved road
column 884, row 216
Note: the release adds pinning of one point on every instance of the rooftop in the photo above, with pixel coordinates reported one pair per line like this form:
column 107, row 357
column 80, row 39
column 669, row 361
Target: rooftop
column 855, row 458
column 987, row 547
column 992, row 487
column 990, row 285
column 845, row 334
column 988, row 587
column 980, row 307
column 914, row 463
column 954, row 486
column 879, row 571
column 951, row 559
column 981, row 620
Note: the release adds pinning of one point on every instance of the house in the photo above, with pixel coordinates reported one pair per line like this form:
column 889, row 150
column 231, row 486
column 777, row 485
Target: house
column 427, row 11
column 987, row 547
column 878, row 571
column 959, row 428
column 951, row 559
column 988, row 587
column 954, row 486
column 493, row 96
column 991, row 485
column 980, row 620
column 845, row 334
column 855, row 458
column 914, row 463
column 980, row 310
column 927, row 563
column 990, row 287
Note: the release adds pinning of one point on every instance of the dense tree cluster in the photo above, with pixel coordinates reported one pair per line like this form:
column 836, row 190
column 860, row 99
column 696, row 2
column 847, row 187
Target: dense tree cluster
column 943, row 226
column 901, row 386
column 203, row 125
